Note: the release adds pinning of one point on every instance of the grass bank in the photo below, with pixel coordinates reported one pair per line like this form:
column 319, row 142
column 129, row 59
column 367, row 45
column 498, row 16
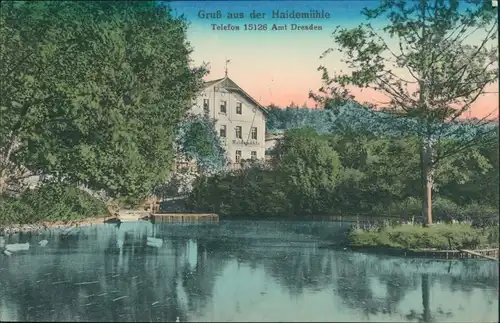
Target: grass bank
column 415, row 237
column 50, row 203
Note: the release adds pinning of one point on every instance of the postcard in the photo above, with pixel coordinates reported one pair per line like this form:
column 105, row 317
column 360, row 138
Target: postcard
column 260, row 161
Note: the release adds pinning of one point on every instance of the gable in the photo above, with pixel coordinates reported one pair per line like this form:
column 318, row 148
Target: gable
column 210, row 83
column 231, row 86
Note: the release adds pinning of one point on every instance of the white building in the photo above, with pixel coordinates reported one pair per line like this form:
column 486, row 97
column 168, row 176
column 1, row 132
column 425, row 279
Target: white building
column 240, row 119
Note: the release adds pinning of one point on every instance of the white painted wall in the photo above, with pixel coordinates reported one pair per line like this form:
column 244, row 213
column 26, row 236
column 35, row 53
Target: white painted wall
column 252, row 116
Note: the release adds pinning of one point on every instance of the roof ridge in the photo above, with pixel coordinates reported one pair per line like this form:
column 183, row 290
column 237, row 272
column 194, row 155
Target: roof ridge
column 209, row 83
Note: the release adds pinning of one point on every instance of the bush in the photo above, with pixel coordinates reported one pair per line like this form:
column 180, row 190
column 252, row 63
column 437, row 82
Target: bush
column 252, row 191
column 446, row 210
column 15, row 211
column 50, row 202
column 491, row 235
column 440, row 236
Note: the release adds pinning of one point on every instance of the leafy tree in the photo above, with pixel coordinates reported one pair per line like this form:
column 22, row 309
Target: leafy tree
column 310, row 168
column 381, row 171
column 377, row 175
column 92, row 92
column 352, row 150
column 197, row 139
column 372, row 171
column 51, row 201
column 446, row 74
column 472, row 176
column 388, row 159
column 251, row 191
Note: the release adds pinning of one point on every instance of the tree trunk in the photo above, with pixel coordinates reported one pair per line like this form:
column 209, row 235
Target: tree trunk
column 3, row 182
column 427, row 181
column 428, row 194
column 5, row 163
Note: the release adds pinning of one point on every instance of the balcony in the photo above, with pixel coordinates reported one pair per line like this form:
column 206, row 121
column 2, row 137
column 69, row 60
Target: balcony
column 248, row 163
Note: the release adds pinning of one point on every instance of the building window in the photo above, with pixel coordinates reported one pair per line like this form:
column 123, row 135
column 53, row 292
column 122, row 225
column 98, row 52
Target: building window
column 238, row 108
column 254, row 133
column 254, row 155
column 206, row 106
column 238, row 156
column 238, row 132
column 222, row 131
column 223, row 105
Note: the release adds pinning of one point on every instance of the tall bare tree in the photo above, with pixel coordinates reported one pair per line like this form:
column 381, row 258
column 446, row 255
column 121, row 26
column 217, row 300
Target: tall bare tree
column 433, row 60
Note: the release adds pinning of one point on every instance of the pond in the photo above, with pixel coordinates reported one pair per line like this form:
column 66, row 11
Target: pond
column 232, row 271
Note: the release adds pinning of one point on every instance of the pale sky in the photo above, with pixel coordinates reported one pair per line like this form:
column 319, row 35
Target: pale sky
column 281, row 66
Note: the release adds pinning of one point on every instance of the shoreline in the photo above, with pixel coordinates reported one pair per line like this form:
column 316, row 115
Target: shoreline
column 425, row 253
column 485, row 253
column 44, row 225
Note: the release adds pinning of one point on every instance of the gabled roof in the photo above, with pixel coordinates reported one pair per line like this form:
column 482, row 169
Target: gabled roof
column 209, row 83
column 230, row 85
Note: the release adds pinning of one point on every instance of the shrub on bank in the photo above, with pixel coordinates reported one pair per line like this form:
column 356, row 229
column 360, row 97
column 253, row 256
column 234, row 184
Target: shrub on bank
column 50, row 202
column 262, row 192
column 440, row 236
column 247, row 192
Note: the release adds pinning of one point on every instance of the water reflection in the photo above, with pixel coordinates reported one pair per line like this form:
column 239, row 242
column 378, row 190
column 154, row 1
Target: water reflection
column 233, row 271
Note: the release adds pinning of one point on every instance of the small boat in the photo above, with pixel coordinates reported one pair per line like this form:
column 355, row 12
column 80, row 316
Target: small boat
column 43, row 243
column 154, row 242
column 128, row 218
column 17, row 247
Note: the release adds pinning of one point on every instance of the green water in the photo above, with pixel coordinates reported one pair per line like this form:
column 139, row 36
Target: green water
column 233, row 271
